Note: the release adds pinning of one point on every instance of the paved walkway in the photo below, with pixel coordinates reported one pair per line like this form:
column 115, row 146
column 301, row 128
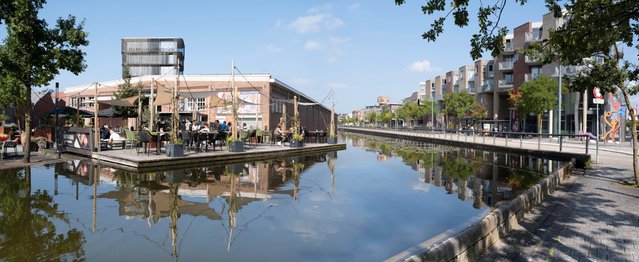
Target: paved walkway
column 593, row 216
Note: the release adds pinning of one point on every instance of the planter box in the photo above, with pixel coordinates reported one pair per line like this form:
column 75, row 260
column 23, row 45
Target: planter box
column 236, row 146
column 331, row 140
column 174, row 150
column 296, row 144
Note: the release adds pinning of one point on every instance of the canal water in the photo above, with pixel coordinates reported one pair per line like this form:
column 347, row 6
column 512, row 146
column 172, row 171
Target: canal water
column 369, row 202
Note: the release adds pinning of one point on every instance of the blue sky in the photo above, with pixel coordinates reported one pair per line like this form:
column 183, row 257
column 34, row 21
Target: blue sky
column 363, row 49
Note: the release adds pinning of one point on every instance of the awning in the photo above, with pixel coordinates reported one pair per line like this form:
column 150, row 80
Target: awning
column 126, row 102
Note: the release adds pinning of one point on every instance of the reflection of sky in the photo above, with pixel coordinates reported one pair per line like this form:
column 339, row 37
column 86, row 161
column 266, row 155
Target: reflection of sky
column 376, row 210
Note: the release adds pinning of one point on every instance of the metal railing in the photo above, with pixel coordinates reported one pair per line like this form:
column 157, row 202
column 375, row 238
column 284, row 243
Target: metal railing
column 497, row 138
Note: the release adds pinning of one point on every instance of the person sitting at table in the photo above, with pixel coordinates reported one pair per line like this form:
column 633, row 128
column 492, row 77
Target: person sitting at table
column 223, row 127
column 205, row 128
column 279, row 135
column 114, row 137
column 244, row 127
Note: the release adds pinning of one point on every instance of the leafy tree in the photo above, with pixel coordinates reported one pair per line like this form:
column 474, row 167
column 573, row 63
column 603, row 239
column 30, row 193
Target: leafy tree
column 370, row 117
column 413, row 111
column 385, row 116
column 32, row 53
column 457, row 104
column 538, row 96
column 478, row 111
column 126, row 90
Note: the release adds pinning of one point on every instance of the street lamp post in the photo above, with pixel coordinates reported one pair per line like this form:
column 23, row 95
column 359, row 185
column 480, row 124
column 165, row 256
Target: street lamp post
column 56, row 132
column 559, row 102
column 432, row 110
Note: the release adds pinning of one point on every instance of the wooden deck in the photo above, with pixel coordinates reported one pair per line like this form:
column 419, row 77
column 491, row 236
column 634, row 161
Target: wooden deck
column 129, row 159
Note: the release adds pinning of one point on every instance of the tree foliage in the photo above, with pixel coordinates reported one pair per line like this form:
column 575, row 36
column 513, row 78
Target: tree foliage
column 412, row 111
column 537, row 97
column 126, row 90
column 458, row 103
column 32, row 54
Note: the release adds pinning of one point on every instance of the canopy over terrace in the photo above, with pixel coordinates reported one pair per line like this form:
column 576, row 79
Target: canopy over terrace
column 262, row 97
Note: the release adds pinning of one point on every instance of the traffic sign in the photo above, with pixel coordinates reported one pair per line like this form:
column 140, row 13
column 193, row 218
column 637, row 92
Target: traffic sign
column 598, row 101
column 621, row 112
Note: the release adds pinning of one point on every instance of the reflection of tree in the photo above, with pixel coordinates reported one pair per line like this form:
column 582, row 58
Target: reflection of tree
column 522, row 179
column 27, row 232
column 297, row 168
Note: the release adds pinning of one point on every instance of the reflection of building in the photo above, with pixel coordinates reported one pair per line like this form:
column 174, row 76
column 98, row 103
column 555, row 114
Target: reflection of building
column 262, row 96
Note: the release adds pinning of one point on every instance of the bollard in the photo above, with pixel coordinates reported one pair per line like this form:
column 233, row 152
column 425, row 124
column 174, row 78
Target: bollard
column 587, row 143
column 521, row 141
column 561, row 143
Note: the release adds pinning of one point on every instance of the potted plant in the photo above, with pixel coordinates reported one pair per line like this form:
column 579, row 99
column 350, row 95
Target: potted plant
column 297, row 140
column 174, row 147
column 234, row 144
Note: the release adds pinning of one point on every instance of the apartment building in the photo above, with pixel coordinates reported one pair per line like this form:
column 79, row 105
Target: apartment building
column 490, row 81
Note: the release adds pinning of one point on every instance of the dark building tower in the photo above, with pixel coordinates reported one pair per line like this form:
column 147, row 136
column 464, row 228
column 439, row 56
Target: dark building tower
column 152, row 56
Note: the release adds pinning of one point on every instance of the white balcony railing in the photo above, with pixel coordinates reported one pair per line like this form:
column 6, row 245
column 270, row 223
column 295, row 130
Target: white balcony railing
column 533, row 37
column 531, row 76
column 505, row 83
column 506, row 66
column 509, row 47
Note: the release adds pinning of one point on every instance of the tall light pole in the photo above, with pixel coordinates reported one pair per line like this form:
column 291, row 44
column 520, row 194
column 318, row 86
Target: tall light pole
column 559, row 102
column 432, row 109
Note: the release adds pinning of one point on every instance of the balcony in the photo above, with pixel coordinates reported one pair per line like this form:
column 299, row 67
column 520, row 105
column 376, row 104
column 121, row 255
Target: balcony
column 505, row 66
column 505, row 83
column 487, row 86
column 533, row 36
column 532, row 76
column 509, row 48
column 532, row 60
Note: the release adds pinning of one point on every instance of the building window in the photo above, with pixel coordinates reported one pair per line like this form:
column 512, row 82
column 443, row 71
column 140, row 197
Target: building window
column 276, row 106
column 77, row 102
column 508, row 78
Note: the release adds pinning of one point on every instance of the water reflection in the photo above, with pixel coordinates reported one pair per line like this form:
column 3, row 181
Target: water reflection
column 483, row 176
column 239, row 211
column 29, row 222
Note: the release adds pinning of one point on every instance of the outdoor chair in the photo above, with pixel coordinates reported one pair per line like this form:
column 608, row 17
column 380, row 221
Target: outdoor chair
column 259, row 136
column 244, row 136
column 186, row 139
column 144, row 138
column 131, row 140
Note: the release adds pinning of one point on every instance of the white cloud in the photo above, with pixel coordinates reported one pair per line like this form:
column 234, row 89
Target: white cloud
column 315, row 23
column 339, row 40
column 312, row 45
column 354, row 6
column 278, row 24
column 273, row 49
column 331, row 60
column 422, row 66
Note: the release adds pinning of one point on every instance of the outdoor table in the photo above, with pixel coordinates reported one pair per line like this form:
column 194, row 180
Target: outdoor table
column 159, row 137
